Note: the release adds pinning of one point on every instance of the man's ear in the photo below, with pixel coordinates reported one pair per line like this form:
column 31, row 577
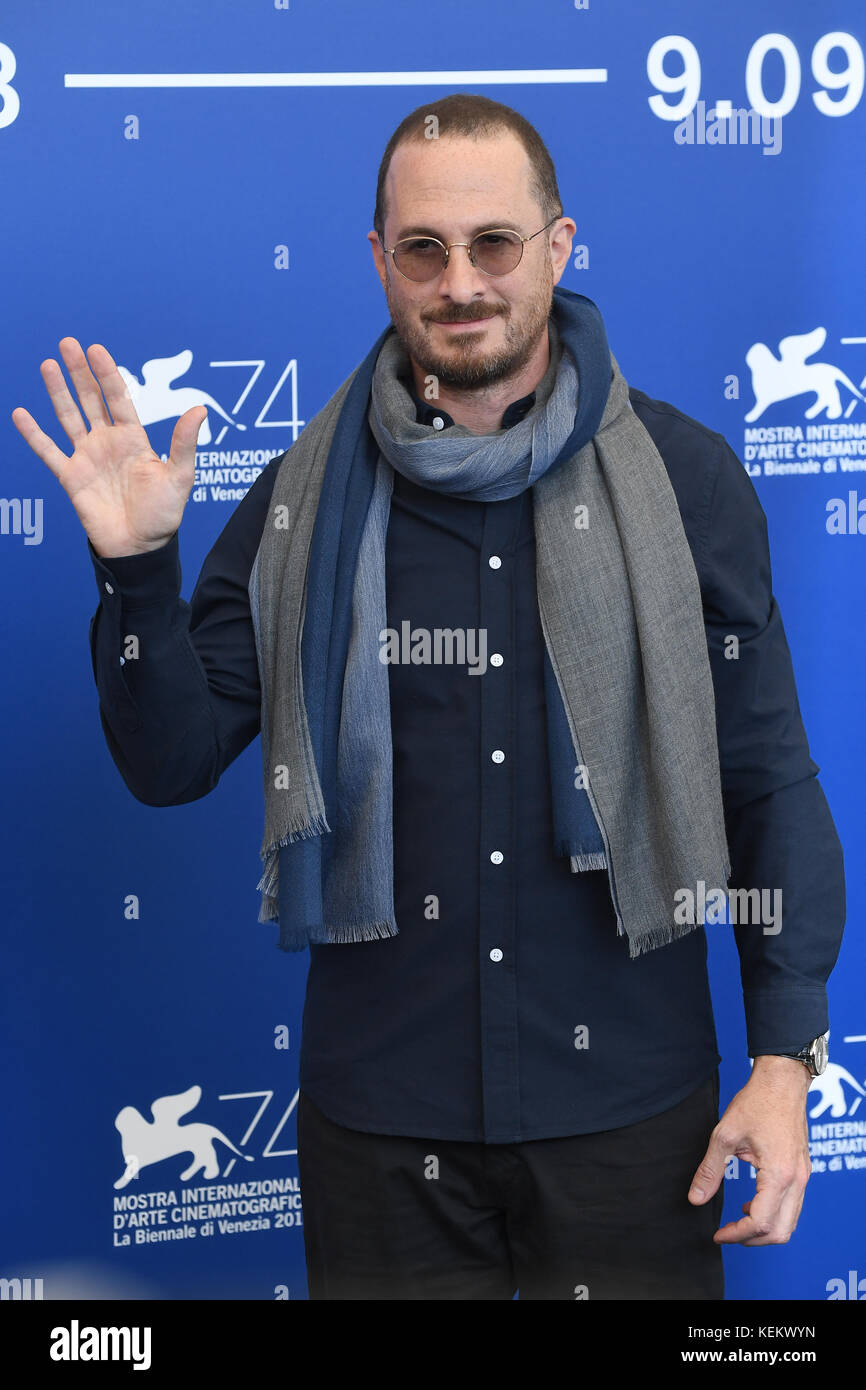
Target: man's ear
column 560, row 247
column 378, row 257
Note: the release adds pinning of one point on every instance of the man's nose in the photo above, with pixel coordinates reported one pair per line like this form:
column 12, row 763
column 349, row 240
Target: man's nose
column 460, row 277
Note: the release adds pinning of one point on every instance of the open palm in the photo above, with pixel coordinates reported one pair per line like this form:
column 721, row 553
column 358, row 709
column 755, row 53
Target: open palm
column 127, row 499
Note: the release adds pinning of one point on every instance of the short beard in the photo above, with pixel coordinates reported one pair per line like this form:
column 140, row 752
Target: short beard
column 477, row 369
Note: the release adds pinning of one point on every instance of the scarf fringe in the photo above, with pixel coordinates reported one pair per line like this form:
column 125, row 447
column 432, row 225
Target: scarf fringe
column 659, row 936
column 597, row 859
column 300, row 830
column 269, row 910
column 361, row 931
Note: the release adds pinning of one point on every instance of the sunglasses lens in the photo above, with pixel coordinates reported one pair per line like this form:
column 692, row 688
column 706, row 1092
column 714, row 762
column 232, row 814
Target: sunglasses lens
column 497, row 252
column 419, row 258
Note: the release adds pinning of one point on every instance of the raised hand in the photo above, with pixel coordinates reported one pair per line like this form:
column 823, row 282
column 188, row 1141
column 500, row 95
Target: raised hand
column 126, row 498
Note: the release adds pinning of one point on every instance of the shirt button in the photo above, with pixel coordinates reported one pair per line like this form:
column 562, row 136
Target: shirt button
column 496, row 659
column 438, row 422
column 496, row 857
column 496, row 954
column 498, row 756
column 108, row 588
column 494, row 562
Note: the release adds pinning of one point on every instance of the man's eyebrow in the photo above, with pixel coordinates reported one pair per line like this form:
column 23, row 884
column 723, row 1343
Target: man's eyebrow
column 418, row 230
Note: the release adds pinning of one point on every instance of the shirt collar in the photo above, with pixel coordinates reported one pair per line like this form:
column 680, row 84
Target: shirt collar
column 427, row 413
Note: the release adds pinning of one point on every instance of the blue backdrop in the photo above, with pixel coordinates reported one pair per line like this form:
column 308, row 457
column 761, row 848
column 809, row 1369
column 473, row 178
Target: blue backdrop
column 199, row 179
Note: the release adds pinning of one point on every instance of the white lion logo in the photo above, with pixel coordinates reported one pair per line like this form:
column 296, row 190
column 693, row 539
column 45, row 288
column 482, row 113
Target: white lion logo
column 778, row 378
column 832, row 1097
column 156, row 399
column 144, row 1143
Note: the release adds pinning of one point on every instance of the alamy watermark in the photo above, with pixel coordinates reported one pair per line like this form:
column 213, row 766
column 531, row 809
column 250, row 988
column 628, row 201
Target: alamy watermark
column 724, row 124
column 747, row 906
column 22, row 516
column 438, row 646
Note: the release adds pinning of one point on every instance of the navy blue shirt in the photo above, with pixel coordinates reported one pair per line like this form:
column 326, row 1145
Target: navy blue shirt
column 506, row 1008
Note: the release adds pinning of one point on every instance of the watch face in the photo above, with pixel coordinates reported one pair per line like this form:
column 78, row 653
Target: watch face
column 819, row 1054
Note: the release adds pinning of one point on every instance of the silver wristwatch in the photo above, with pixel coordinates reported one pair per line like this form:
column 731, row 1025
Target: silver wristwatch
column 813, row 1055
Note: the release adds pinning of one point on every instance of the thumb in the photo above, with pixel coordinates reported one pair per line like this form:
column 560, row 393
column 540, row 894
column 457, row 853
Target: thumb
column 185, row 435
column 709, row 1174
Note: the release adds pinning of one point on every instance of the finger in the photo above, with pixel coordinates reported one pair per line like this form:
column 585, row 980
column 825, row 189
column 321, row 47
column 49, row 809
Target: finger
column 184, row 442
column 792, row 1205
column 709, row 1173
column 65, row 409
column 39, row 441
column 761, row 1225
column 85, row 382
column 746, row 1231
column 113, row 386
column 792, row 1191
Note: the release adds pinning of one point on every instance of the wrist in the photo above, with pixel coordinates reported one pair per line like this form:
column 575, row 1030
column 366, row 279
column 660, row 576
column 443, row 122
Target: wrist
column 777, row 1067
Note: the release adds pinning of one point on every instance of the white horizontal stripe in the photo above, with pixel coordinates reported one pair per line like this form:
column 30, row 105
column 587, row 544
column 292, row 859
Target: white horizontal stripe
column 331, row 79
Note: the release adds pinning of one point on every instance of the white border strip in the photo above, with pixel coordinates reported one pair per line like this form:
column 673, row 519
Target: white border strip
column 480, row 77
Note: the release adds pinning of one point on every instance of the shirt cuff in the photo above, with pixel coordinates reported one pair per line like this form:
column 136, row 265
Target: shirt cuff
column 784, row 1021
column 141, row 579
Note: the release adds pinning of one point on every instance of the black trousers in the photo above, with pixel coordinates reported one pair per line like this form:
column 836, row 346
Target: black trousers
column 597, row 1216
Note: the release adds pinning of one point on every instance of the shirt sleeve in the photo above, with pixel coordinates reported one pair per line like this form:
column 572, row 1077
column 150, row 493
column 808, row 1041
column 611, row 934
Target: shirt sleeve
column 178, row 682
column 780, row 830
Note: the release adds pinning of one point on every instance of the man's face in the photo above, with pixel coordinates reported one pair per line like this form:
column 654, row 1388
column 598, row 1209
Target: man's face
column 467, row 328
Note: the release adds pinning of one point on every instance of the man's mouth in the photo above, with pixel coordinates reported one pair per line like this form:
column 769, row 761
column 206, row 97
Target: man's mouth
column 463, row 323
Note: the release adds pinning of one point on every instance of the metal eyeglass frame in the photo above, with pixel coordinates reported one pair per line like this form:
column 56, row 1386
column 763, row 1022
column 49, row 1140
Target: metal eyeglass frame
column 468, row 244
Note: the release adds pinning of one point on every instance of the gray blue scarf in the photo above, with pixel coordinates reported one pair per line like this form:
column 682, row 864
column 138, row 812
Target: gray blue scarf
column 628, row 685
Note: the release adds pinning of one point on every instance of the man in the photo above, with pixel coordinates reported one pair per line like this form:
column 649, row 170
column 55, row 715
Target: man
column 509, row 1073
